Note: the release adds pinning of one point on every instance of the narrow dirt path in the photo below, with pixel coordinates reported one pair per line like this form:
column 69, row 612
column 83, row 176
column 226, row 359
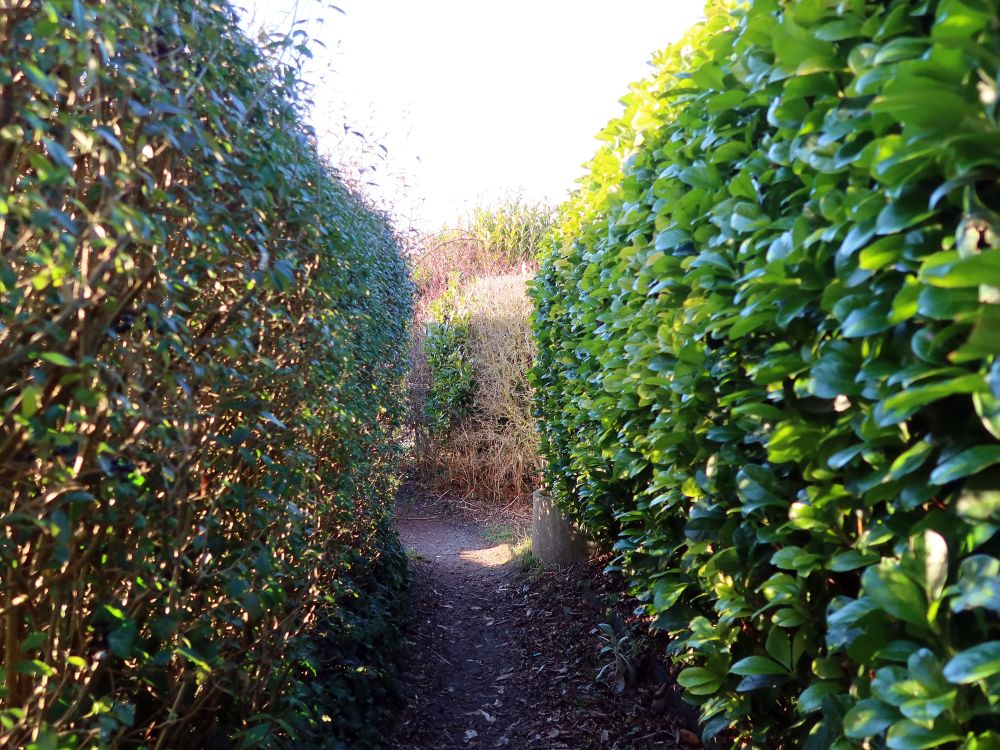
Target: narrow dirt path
column 500, row 658
column 462, row 651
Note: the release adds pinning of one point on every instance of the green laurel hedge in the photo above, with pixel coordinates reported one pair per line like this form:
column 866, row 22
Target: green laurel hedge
column 202, row 348
column 768, row 325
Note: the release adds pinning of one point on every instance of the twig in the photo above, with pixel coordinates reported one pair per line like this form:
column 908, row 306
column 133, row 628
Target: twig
column 649, row 736
column 441, row 657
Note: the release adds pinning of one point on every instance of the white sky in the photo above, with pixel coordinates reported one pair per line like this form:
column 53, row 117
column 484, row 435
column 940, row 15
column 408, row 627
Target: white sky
column 473, row 99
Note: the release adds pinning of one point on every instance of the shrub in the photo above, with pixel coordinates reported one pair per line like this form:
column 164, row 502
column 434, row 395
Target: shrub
column 445, row 340
column 767, row 367
column 202, row 354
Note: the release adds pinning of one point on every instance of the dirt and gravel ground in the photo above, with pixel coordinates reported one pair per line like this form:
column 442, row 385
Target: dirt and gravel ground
column 508, row 655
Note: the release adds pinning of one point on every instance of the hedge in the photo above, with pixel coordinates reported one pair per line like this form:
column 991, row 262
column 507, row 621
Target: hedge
column 768, row 325
column 202, row 346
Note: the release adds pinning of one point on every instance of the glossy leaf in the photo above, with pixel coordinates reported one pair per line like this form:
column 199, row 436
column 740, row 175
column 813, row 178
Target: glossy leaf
column 975, row 663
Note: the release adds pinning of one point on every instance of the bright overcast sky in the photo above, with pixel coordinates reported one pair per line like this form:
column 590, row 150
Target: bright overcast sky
column 473, row 99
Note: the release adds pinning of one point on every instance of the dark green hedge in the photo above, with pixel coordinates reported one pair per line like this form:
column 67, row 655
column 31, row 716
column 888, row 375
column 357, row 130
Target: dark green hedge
column 768, row 329
column 202, row 348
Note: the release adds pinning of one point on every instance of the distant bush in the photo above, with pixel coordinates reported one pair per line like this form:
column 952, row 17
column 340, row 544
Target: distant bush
column 202, row 352
column 445, row 345
column 768, row 368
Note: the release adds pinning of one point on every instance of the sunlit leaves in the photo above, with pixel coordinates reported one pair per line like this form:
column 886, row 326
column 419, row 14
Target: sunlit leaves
column 974, row 664
column 202, row 329
column 808, row 181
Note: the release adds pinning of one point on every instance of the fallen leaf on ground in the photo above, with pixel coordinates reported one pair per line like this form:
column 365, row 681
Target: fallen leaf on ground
column 689, row 739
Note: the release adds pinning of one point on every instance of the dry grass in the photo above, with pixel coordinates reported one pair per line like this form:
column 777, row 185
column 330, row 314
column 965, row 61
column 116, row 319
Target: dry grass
column 489, row 461
column 492, row 456
column 497, row 449
column 456, row 251
column 436, row 259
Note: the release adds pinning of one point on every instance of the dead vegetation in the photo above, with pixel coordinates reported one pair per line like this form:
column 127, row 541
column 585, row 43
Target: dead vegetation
column 488, row 459
column 494, row 452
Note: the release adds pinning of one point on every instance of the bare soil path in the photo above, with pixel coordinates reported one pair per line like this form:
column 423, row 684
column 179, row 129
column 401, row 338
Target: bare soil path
column 504, row 658
column 461, row 659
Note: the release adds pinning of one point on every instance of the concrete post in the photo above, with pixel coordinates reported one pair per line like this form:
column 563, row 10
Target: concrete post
column 555, row 540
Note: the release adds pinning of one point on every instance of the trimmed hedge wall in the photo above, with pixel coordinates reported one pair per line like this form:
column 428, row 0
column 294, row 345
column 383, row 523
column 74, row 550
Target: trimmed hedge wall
column 202, row 350
column 768, row 326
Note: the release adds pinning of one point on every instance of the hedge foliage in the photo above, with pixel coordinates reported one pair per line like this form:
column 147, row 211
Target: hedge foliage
column 202, row 340
column 769, row 324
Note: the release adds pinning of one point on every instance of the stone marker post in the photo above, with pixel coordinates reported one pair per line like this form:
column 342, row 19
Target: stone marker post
column 555, row 540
